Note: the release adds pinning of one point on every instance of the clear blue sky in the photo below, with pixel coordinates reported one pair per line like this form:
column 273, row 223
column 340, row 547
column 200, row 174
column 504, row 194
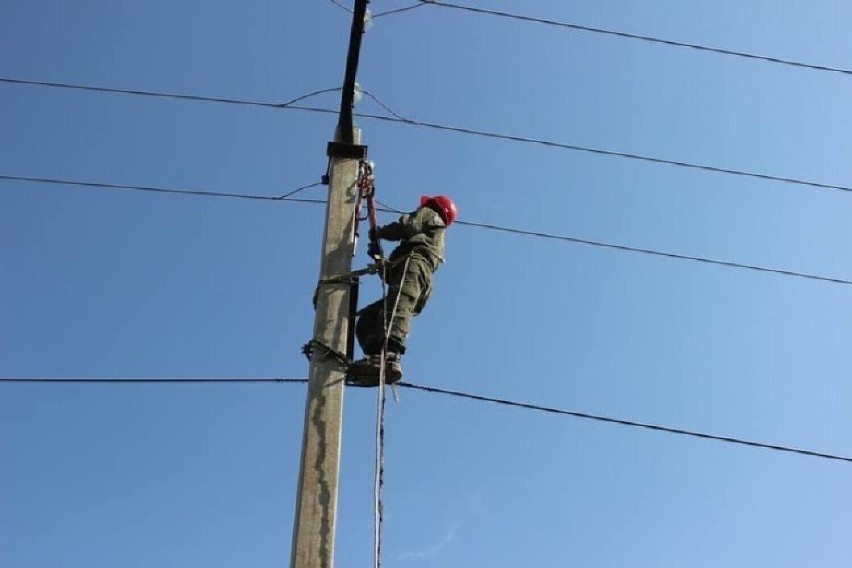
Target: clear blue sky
column 98, row 283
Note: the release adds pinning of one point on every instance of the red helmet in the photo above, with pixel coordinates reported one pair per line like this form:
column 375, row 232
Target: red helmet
column 444, row 204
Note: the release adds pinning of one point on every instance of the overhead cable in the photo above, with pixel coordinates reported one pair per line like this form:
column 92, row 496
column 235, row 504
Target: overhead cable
column 625, row 248
column 653, row 252
column 340, row 5
column 621, row 422
column 108, row 380
column 487, row 226
column 592, row 150
column 155, row 189
column 158, row 94
column 398, row 10
column 290, row 105
column 626, row 35
column 463, row 395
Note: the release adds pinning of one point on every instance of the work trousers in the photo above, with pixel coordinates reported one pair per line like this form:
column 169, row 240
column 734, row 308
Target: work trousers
column 409, row 283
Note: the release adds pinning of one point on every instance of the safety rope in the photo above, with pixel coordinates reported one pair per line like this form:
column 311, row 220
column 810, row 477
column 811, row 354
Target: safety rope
column 380, row 408
column 367, row 194
column 380, row 469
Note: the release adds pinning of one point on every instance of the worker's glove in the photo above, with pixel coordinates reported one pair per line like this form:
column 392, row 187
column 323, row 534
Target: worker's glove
column 373, row 249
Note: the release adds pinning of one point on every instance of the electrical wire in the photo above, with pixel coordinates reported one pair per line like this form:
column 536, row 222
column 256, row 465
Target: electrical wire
column 289, row 194
column 381, row 103
column 653, row 252
column 592, row 150
column 306, row 96
column 340, row 5
column 463, row 395
column 463, row 130
column 626, row 35
column 400, row 118
column 486, row 226
column 630, row 423
column 625, row 248
column 110, row 380
column 155, row 189
column 398, row 10
column 158, row 94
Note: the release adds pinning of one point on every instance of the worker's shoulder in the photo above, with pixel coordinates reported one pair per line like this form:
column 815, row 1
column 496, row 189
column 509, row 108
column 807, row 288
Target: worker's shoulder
column 430, row 217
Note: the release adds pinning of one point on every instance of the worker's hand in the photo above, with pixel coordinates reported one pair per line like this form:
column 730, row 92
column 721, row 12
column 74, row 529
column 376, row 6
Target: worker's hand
column 374, row 250
column 375, row 234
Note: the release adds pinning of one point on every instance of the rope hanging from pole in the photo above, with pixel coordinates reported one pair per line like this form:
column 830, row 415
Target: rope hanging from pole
column 367, row 195
column 380, row 413
column 375, row 251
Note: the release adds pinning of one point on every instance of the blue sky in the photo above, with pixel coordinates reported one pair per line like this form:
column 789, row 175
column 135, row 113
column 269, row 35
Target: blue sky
column 100, row 283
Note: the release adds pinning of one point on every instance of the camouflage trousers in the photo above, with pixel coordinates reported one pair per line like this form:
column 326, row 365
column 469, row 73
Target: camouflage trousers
column 409, row 284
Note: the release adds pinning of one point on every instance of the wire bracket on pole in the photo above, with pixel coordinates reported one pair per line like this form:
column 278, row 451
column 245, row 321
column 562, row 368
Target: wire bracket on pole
column 309, row 347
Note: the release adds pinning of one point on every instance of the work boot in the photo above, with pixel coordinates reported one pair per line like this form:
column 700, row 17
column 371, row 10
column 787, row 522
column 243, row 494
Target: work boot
column 393, row 368
column 366, row 371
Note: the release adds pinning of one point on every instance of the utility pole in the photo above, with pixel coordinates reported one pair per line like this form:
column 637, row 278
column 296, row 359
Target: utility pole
column 316, row 499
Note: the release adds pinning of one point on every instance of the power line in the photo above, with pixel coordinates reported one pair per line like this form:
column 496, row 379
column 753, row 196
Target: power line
column 461, row 130
column 631, row 423
column 380, row 14
column 109, row 380
column 293, row 192
column 626, row 248
column 381, row 103
column 398, row 10
column 591, row 150
column 457, row 394
column 158, row 94
column 155, row 189
column 340, row 5
column 653, row 252
column 626, row 35
column 487, row 226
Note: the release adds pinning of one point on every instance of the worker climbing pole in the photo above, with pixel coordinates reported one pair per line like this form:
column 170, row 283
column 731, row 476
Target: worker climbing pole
column 381, row 328
column 407, row 277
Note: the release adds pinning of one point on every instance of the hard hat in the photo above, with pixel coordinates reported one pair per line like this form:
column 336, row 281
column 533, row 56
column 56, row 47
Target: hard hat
column 444, row 204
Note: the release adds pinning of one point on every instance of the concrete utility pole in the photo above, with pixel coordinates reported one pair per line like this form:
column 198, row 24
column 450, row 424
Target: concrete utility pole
column 316, row 500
